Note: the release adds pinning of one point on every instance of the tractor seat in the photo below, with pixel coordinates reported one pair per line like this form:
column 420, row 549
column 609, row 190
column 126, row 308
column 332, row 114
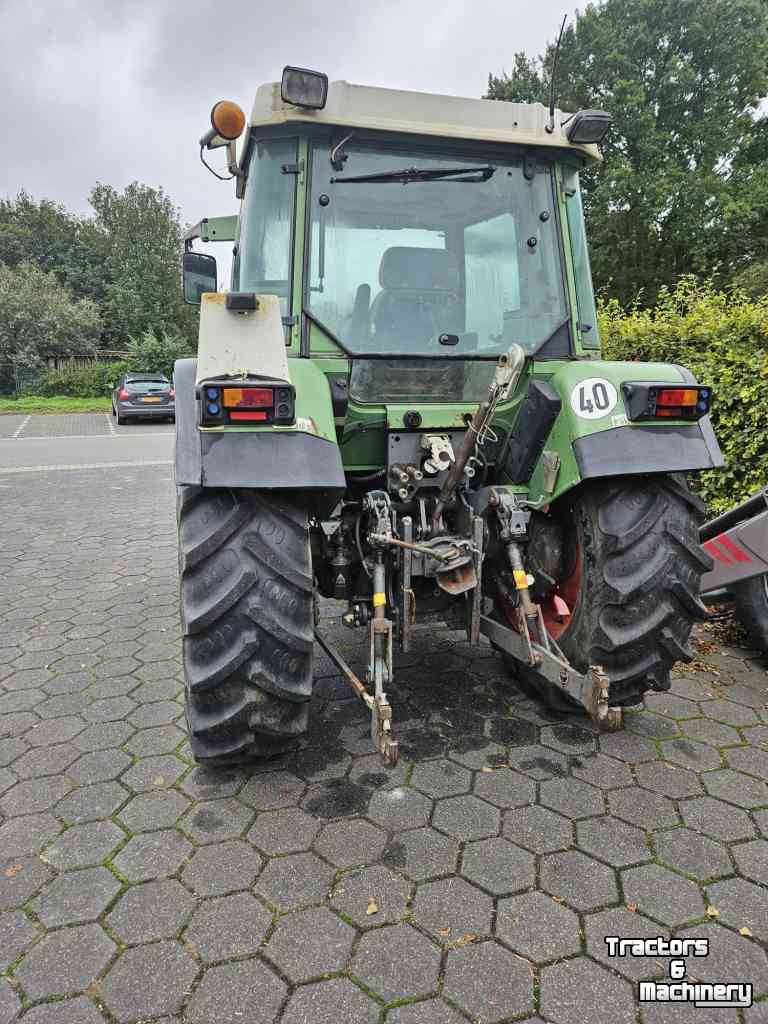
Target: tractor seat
column 419, row 298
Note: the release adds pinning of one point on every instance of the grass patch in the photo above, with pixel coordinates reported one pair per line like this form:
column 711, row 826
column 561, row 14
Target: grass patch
column 52, row 406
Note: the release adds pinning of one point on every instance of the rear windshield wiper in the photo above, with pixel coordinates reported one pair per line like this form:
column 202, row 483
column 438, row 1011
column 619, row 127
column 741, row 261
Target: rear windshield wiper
column 409, row 174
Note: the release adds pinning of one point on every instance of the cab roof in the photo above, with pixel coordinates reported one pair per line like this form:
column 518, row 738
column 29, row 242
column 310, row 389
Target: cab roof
column 420, row 113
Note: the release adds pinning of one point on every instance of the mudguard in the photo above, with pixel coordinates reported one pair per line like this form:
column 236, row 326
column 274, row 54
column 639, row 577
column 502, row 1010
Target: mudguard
column 272, row 458
column 595, row 438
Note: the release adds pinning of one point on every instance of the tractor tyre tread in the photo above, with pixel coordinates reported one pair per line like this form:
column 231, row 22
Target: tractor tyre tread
column 247, row 618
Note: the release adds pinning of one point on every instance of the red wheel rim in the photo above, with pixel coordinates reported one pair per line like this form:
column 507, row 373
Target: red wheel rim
column 569, row 589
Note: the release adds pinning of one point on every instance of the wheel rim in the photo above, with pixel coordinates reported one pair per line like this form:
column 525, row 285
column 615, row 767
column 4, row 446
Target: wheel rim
column 569, row 589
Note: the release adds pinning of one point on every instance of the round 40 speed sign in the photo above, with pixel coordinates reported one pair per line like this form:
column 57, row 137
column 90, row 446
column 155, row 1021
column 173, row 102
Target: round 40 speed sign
column 593, row 398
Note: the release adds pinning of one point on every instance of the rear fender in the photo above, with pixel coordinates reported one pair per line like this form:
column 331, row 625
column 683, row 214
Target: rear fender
column 302, row 457
column 594, row 437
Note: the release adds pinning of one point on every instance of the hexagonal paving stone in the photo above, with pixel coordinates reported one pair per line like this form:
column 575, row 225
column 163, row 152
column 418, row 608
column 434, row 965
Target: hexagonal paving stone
column 466, row 817
column 452, row 908
column 693, row 854
column 354, row 891
column 400, row 808
column 92, row 802
column 498, row 866
column 538, row 829
column 272, row 790
column 10, row 1004
column 286, row 831
column 715, row 733
column 163, row 739
column 76, row 897
column 79, row 1010
column 110, row 709
column 692, row 754
column 103, row 736
column 504, row 787
column 422, row 853
column 539, row 762
column 337, row 1001
column 297, row 879
column 45, row 761
column 752, row 860
column 537, row 927
column 641, row 807
column 670, row 780
column 65, row 961
column 578, row 991
column 397, row 962
column 98, row 766
column 83, row 845
column 601, row 771
column 741, row 903
column 214, row 820
column 16, row 934
column 644, row 723
column 488, row 981
column 310, row 943
column 209, row 784
column 337, row 798
column 33, row 795
column 153, row 773
column 166, row 973
column 662, row 895
column 582, row 882
column 730, row 956
column 627, row 747
column 155, row 910
column 612, row 841
column 622, row 922
column 152, row 855
column 441, row 778
column 729, row 712
column 345, row 843
column 572, row 798
column 20, row 879
column 55, row 730
column 149, row 811
column 321, row 763
column 717, row 819
column 228, row 926
column 737, row 788
column 751, row 760
column 478, row 755
column 222, row 868
column 426, row 1011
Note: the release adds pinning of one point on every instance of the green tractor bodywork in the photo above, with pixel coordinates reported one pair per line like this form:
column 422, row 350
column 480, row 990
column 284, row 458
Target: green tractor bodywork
column 411, row 242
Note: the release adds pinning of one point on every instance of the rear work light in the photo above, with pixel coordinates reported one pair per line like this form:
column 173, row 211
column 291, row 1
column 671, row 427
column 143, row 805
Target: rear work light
column 645, row 400
column 247, row 403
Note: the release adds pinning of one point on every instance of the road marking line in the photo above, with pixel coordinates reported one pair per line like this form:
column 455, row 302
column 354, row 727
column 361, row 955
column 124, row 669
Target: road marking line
column 86, row 465
column 22, row 425
column 85, row 437
column 110, row 424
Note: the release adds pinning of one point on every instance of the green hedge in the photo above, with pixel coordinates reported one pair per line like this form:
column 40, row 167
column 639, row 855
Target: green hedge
column 723, row 338
column 91, row 381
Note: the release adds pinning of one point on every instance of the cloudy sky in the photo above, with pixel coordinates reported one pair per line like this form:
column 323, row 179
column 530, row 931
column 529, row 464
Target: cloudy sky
column 120, row 90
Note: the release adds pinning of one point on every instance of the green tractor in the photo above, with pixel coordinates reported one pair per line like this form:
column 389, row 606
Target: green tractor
column 400, row 404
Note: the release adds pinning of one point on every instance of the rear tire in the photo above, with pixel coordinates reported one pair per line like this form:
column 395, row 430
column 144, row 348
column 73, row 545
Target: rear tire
column 121, row 420
column 751, row 598
column 634, row 543
column 247, row 616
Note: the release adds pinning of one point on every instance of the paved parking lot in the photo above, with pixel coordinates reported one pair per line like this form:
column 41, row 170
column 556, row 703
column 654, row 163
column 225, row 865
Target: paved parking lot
column 474, row 882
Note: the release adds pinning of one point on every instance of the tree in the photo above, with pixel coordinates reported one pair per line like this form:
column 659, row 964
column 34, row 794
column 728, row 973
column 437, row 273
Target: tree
column 141, row 239
column 40, row 318
column 683, row 80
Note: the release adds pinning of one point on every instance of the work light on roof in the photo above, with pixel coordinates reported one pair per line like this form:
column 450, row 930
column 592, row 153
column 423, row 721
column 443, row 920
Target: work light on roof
column 303, row 88
column 588, row 126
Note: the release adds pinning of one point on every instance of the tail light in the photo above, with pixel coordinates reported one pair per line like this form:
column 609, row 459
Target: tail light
column 123, row 395
column 645, row 400
column 172, row 393
column 247, row 403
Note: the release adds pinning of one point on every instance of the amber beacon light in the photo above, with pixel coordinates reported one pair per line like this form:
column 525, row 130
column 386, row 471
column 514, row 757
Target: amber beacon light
column 227, row 124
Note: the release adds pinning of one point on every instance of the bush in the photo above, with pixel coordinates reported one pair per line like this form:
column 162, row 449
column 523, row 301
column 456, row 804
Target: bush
column 91, row 381
column 723, row 338
column 156, row 352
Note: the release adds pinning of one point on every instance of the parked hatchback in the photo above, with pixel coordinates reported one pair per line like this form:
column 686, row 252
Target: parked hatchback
column 143, row 396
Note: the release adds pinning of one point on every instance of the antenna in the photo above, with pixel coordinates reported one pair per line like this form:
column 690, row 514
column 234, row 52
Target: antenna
column 552, row 78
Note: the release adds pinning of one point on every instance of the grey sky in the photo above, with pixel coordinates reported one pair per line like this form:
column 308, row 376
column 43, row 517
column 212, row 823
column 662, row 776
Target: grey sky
column 119, row 90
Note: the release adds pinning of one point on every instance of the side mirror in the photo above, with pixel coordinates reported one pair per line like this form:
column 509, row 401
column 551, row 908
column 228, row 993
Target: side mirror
column 198, row 276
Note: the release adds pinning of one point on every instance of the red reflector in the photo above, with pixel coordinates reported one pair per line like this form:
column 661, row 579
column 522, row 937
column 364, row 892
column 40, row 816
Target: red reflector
column 247, row 398
column 674, row 413
column 678, row 396
column 247, row 416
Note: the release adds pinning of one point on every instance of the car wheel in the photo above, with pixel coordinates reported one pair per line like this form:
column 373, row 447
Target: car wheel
column 121, row 420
